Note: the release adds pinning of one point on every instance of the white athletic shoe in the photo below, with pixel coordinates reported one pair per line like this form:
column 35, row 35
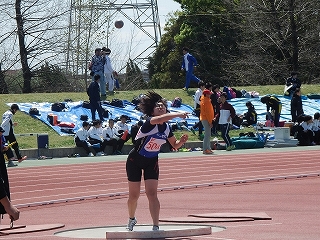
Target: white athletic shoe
column 155, row 228
column 131, row 224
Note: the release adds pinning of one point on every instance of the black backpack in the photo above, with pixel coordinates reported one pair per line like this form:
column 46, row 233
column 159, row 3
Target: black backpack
column 58, row 107
column 86, row 104
column 105, row 113
column 117, row 103
column 177, row 101
column 34, row 111
column 84, row 117
column 135, row 101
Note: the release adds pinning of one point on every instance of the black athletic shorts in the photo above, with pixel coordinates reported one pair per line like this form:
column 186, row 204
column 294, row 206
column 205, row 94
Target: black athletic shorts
column 137, row 163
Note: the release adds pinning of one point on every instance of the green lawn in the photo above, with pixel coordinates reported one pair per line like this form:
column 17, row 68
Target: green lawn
column 27, row 124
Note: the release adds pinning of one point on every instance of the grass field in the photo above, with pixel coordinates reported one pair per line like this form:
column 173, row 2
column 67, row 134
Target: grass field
column 27, row 124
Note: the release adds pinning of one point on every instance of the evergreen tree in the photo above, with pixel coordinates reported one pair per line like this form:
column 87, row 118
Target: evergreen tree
column 206, row 28
column 134, row 79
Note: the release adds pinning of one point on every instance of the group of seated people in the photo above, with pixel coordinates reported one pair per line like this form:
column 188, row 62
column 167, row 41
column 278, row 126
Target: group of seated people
column 307, row 130
column 94, row 138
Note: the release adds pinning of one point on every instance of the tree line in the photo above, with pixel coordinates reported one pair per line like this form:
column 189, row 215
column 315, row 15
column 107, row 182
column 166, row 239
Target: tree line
column 236, row 42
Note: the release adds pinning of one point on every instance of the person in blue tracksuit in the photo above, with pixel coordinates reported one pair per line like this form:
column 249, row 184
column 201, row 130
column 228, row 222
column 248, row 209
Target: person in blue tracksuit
column 189, row 62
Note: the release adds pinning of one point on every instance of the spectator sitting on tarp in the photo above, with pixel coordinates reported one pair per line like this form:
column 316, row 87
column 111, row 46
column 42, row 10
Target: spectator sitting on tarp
column 250, row 117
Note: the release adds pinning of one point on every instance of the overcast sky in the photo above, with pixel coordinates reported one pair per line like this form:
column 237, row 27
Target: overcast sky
column 165, row 7
column 129, row 41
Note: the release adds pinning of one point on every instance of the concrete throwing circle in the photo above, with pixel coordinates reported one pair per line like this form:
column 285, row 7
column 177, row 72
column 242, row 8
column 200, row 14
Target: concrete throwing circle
column 140, row 231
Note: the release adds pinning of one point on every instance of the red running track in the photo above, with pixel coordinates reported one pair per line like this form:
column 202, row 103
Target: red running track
column 284, row 184
column 39, row 185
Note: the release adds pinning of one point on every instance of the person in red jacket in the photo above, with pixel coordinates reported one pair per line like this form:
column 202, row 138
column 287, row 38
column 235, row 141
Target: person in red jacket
column 206, row 118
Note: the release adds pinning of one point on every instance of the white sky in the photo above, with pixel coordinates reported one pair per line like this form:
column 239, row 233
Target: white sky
column 130, row 42
column 165, row 7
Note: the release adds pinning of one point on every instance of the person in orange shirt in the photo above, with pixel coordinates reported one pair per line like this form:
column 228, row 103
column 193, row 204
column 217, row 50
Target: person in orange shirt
column 206, row 118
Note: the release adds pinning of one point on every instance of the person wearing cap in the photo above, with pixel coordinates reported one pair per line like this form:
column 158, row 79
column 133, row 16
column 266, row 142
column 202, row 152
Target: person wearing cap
column 109, row 73
column 8, row 133
column 5, row 203
column 96, row 66
column 225, row 116
column 206, row 118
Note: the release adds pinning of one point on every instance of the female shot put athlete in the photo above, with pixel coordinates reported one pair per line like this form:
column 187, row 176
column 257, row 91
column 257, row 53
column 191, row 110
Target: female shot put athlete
column 143, row 158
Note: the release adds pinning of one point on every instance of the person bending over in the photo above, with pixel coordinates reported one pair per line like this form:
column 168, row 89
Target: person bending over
column 274, row 104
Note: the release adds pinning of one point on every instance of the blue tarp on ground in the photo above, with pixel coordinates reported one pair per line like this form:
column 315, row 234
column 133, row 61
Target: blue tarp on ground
column 75, row 110
column 310, row 106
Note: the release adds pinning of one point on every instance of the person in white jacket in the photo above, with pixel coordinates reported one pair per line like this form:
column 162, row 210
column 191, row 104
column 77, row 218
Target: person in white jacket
column 306, row 135
column 111, row 138
column 81, row 139
column 316, row 128
column 123, row 131
column 7, row 124
column 95, row 137
column 108, row 70
column 225, row 116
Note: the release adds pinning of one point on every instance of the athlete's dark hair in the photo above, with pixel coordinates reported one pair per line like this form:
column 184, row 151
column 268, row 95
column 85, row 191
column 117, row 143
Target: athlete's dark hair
column 249, row 104
column 149, row 101
column 14, row 107
column 264, row 99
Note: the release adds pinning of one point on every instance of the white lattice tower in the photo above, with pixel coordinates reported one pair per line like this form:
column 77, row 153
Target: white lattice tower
column 91, row 25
